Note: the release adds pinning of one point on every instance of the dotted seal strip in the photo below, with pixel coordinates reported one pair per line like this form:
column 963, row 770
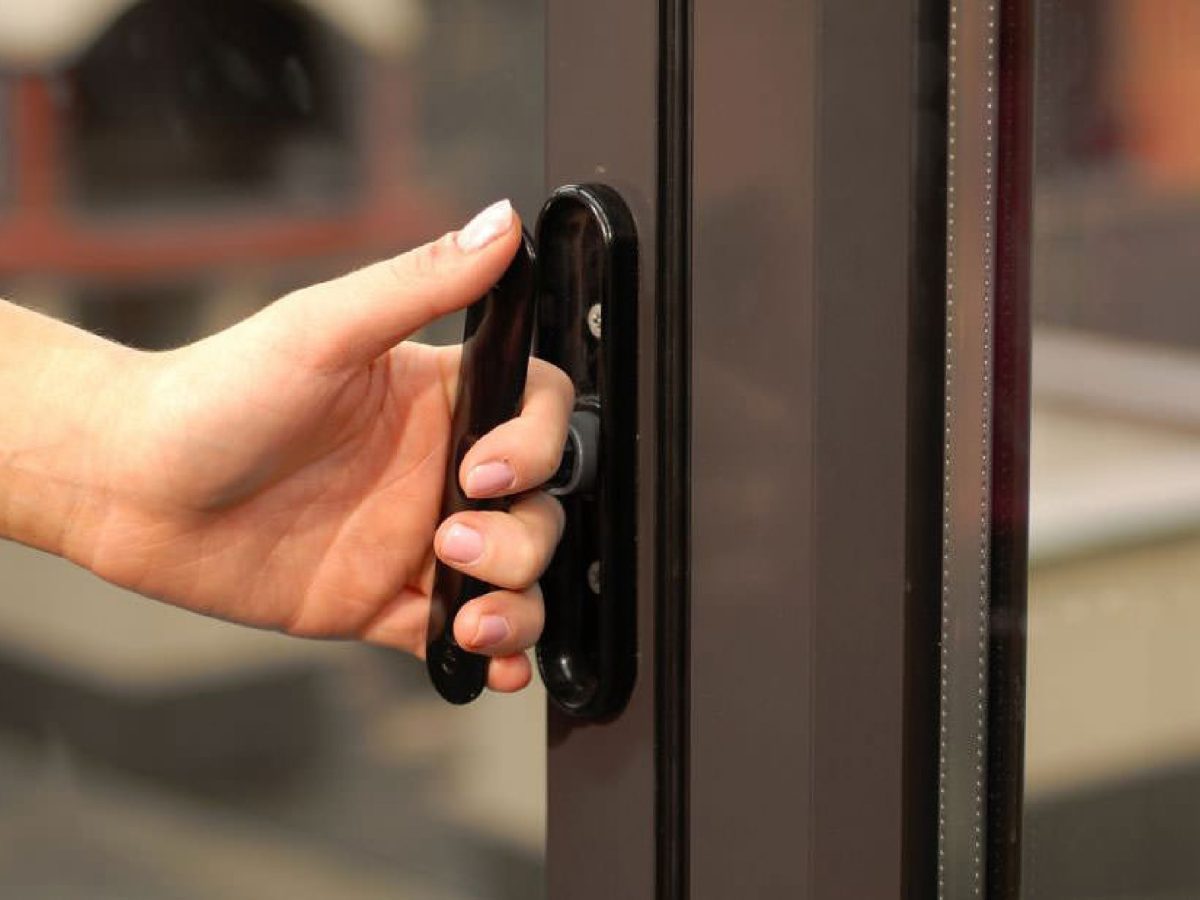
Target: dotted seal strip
column 966, row 488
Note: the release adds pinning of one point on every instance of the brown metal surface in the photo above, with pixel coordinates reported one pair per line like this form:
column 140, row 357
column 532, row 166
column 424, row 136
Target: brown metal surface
column 803, row 249
column 805, row 775
column 602, row 126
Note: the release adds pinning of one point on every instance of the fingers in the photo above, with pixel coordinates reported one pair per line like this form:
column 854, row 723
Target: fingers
column 501, row 623
column 523, row 452
column 507, row 674
column 506, row 549
column 510, row 549
column 402, row 625
column 354, row 319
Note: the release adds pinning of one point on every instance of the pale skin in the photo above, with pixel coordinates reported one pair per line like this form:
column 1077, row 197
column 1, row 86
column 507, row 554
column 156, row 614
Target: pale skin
column 287, row 473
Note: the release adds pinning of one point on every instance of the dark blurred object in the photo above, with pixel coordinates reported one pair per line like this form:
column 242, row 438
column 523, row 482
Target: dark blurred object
column 1117, row 214
column 1076, row 120
column 209, row 103
column 186, row 140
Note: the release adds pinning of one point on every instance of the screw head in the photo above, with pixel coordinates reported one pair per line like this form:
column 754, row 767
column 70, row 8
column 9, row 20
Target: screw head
column 593, row 321
column 593, row 576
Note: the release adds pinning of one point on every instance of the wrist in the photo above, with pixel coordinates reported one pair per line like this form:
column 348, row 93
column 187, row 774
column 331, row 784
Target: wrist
column 61, row 421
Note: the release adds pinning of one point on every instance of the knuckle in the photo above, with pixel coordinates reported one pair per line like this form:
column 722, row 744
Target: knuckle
column 537, row 611
column 421, row 263
column 555, row 379
column 562, row 384
column 527, row 614
column 547, row 461
column 549, row 515
column 558, row 516
column 528, row 560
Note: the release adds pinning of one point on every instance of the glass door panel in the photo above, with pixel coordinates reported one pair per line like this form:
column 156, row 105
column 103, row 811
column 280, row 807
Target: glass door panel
column 1112, row 759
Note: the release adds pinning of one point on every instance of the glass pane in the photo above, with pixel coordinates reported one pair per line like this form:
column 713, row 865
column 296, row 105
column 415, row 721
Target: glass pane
column 168, row 167
column 1113, row 729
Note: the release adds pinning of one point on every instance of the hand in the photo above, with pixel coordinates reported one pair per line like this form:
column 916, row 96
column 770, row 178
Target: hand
column 287, row 473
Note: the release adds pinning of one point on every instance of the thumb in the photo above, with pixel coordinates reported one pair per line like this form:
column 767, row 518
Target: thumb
column 351, row 320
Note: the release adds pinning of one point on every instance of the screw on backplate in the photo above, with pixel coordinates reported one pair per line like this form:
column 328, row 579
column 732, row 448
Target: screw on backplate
column 593, row 320
column 593, row 576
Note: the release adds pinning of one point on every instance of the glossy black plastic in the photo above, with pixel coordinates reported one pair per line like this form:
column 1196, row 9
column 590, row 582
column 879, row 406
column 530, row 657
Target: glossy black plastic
column 495, row 358
column 587, row 262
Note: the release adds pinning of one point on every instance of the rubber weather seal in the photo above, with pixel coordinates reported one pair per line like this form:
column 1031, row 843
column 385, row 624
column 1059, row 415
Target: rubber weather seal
column 967, row 464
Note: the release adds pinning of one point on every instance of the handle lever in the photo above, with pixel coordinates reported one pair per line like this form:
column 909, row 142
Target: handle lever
column 491, row 383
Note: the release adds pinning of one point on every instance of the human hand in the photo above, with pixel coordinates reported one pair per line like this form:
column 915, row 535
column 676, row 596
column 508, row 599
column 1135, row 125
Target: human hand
column 287, row 472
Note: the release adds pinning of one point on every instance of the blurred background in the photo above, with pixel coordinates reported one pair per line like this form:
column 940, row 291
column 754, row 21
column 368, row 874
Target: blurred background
column 1113, row 739
column 166, row 168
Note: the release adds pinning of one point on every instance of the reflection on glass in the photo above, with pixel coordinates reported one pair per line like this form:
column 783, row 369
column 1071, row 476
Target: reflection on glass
column 1113, row 729
column 166, row 168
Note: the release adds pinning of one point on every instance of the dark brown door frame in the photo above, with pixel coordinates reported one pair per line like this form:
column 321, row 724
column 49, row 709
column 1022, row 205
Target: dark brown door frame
column 785, row 164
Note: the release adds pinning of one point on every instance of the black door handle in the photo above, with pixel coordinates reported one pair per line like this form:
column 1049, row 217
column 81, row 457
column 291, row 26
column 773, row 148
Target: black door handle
column 491, row 382
column 585, row 285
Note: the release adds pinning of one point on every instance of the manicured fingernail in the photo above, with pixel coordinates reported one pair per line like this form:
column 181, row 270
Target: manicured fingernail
column 490, row 478
column 461, row 544
column 486, row 227
column 491, row 630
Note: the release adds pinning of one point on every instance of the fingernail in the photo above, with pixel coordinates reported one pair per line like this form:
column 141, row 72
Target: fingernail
column 491, row 630
column 485, row 227
column 490, row 478
column 461, row 544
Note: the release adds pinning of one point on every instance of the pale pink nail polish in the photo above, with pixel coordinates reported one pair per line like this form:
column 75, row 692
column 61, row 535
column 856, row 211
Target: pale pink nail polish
column 491, row 630
column 461, row 544
column 487, row 225
column 490, row 478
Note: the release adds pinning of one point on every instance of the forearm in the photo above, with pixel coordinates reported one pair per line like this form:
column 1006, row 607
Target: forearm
column 59, row 420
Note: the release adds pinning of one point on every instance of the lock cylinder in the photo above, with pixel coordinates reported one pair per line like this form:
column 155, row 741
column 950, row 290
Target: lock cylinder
column 576, row 472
